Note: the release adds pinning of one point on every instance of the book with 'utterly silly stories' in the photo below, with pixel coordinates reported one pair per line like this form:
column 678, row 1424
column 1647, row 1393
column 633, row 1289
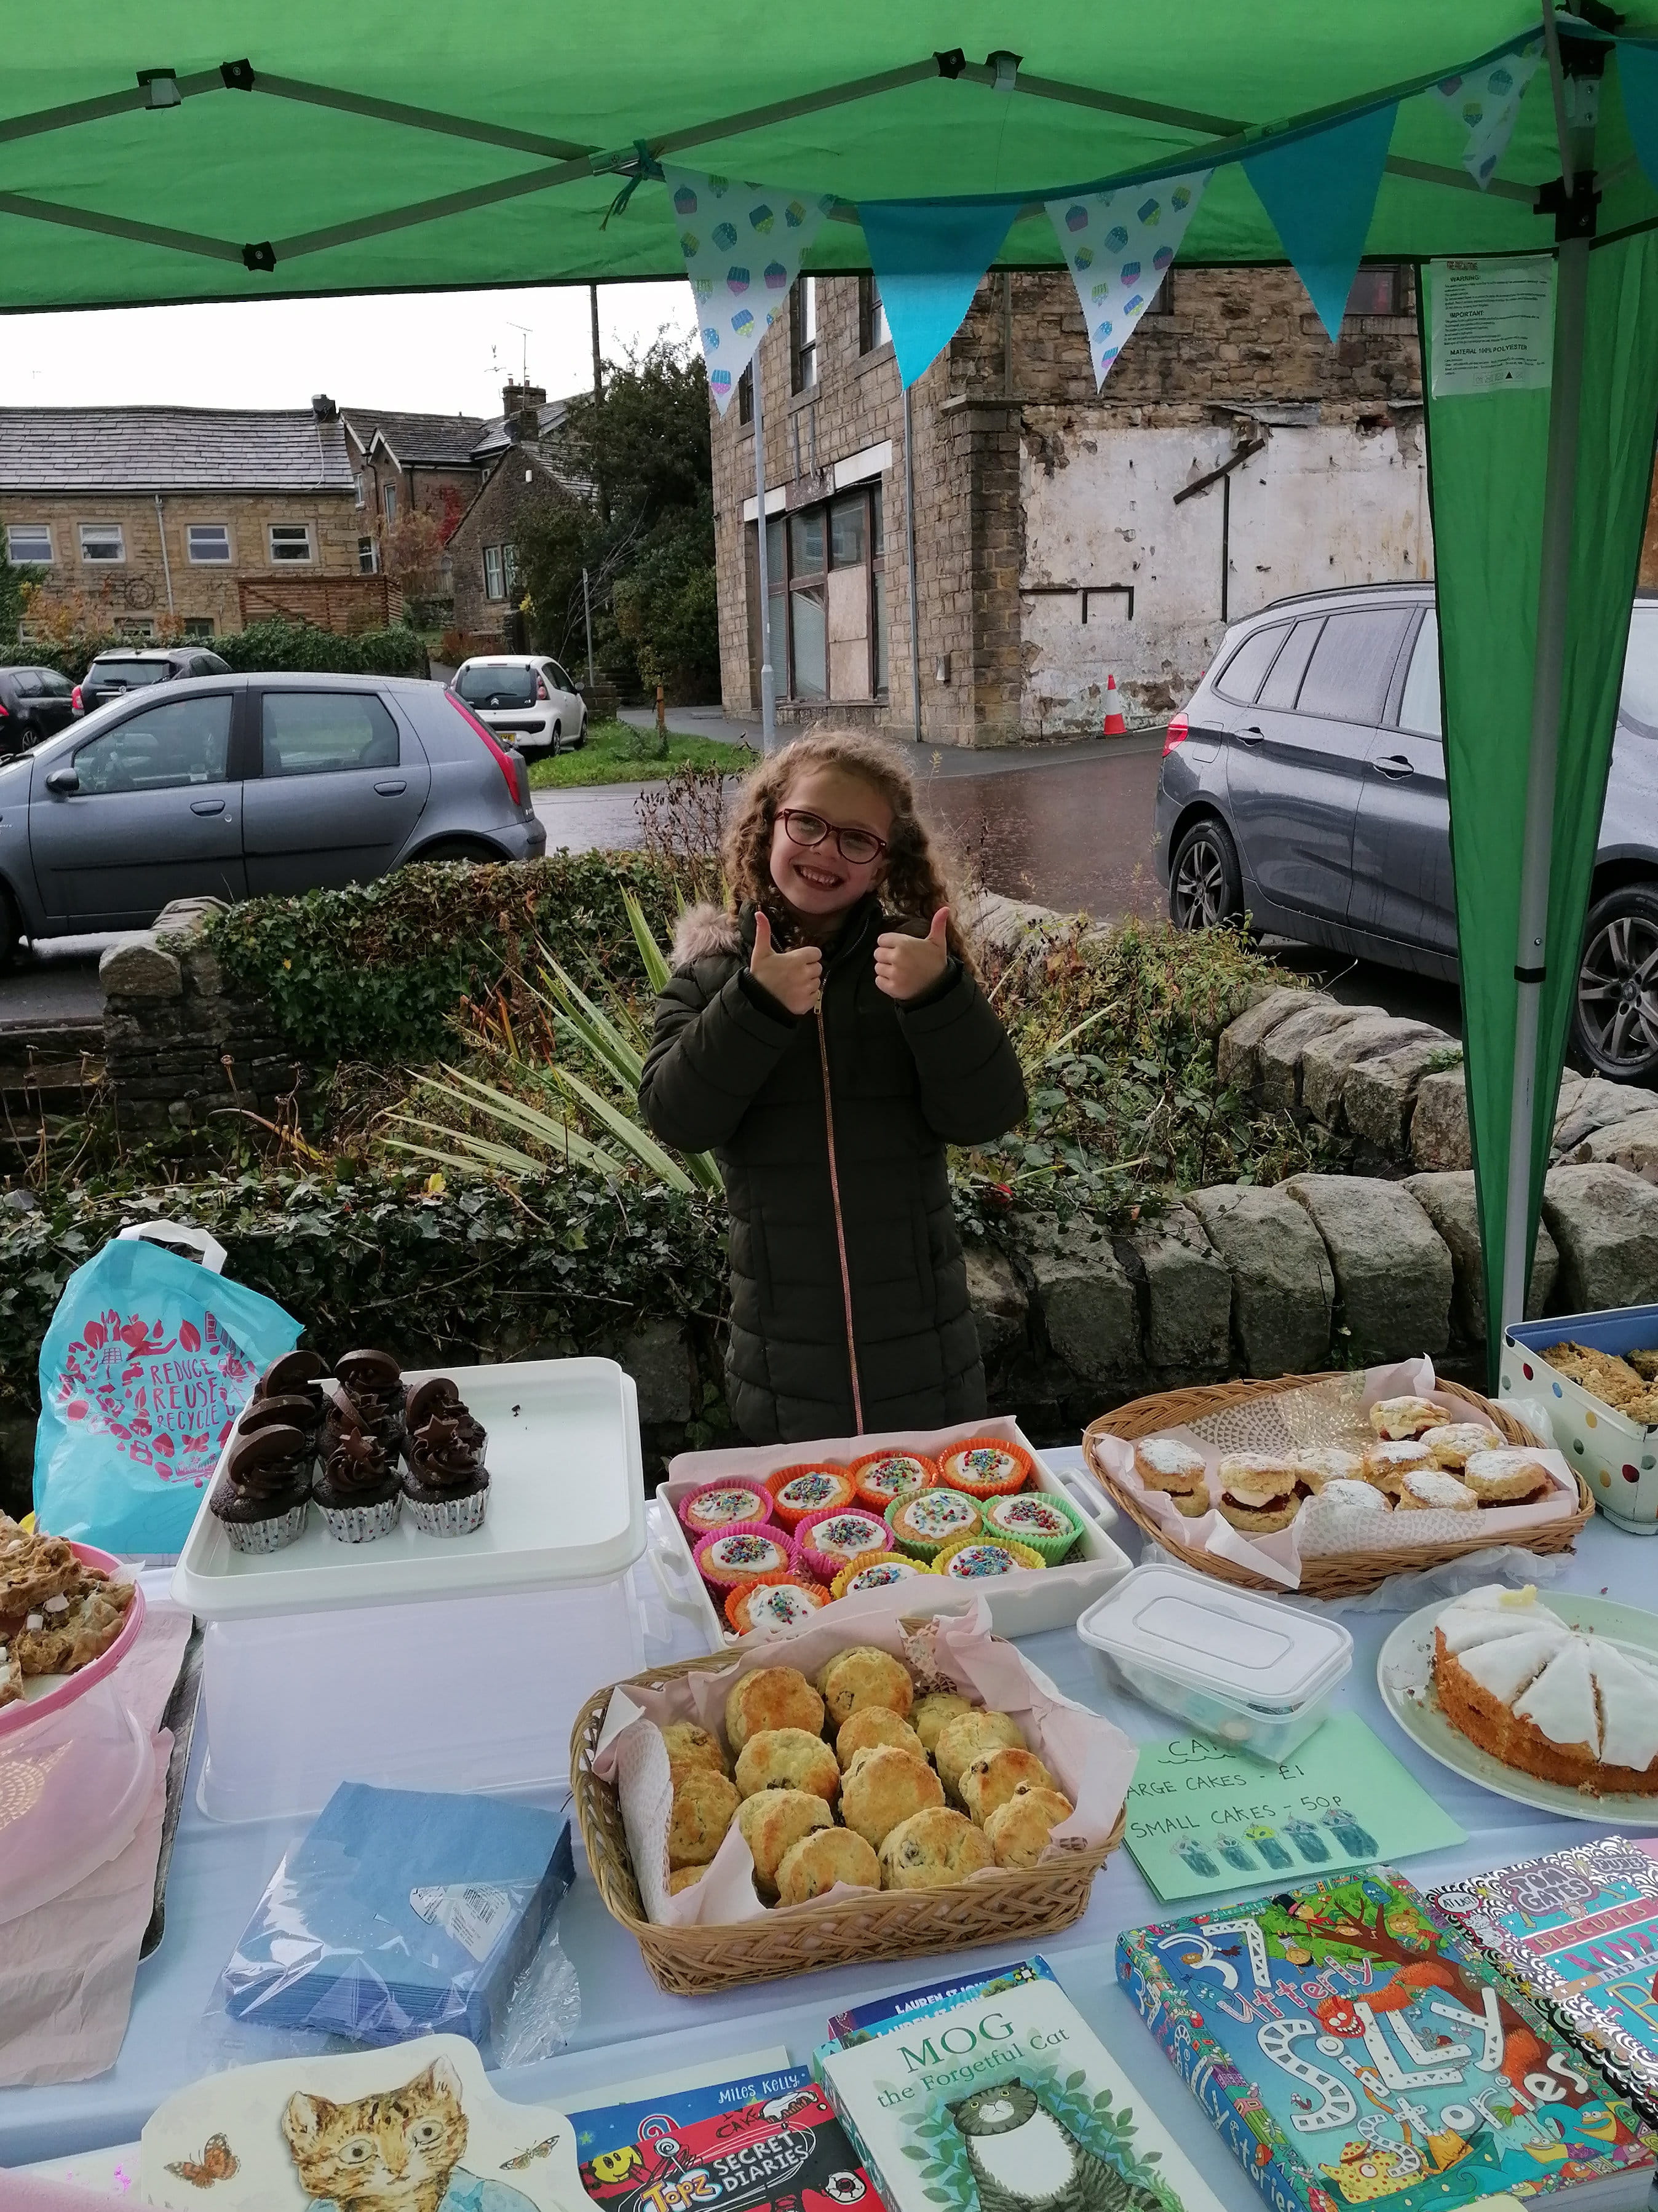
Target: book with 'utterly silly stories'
column 1349, row 2050
column 999, row 2098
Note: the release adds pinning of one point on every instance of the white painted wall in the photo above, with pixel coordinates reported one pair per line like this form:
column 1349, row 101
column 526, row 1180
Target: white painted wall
column 1321, row 505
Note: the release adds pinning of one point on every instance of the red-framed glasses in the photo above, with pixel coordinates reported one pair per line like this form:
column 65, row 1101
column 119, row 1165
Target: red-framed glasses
column 860, row 847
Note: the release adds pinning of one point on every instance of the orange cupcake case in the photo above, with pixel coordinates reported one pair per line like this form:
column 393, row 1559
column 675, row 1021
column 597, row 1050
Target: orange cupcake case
column 879, row 1477
column 815, row 1486
column 985, row 1466
column 774, row 1601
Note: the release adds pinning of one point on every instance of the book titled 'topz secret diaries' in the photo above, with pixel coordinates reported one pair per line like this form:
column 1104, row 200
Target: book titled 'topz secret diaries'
column 1349, row 2050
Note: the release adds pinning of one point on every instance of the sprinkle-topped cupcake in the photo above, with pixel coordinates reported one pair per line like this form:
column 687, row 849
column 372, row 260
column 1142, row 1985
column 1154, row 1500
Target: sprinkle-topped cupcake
column 877, row 1571
column 927, row 1520
column 743, row 1556
column 882, row 1476
column 985, row 1466
column 798, row 1492
column 828, row 1541
column 718, row 1505
column 779, row 1602
column 1046, row 1523
column 972, row 1561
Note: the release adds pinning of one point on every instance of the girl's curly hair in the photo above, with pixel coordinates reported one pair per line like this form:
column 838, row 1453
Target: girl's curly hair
column 918, row 880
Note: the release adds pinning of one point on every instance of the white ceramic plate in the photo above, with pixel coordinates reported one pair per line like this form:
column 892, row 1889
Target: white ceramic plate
column 1403, row 1674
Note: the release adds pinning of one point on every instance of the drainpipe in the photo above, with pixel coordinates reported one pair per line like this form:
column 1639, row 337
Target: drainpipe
column 768, row 667
column 909, row 558
column 167, row 566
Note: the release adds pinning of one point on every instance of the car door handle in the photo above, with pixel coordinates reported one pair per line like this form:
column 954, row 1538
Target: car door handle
column 1394, row 766
column 207, row 806
column 390, row 789
column 1251, row 735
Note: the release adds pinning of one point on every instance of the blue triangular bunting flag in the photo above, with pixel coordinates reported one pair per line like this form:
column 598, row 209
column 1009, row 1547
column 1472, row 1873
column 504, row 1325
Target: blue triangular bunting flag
column 928, row 261
column 741, row 246
column 1487, row 100
column 1321, row 193
column 1637, row 80
column 1118, row 246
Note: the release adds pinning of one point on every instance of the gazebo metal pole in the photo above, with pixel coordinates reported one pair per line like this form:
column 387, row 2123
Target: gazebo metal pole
column 767, row 676
column 909, row 562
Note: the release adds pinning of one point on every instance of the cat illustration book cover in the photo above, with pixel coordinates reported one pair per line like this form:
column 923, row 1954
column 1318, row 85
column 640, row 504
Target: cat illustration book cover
column 1349, row 2048
column 414, row 2128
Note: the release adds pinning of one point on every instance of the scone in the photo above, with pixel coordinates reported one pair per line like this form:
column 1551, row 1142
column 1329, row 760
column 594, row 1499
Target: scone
column 1364, row 1496
column 771, row 1697
column 932, row 1849
column 1405, row 1417
column 873, row 1724
column 788, row 1759
column 703, row 1805
column 1386, row 1465
column 994, row 1776
column 689, row 1745
column 1164, row 1464
column 812, row 1867
column 1324, row 1464
column 1260, row 1491
column 934, row 1712
column 1454, row 1443
column 773, row 1821
column 884, row 1786
column 1434, row 1490
column 684, row 1877
column 962, row 1739
column 1018, row 1831
column 1512, row 1474
column 865, row 1676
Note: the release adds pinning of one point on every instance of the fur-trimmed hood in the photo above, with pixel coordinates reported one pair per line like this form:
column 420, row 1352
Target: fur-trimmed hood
column 703, row 931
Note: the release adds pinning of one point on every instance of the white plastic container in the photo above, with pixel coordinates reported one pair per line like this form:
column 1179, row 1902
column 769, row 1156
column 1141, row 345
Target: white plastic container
column 1248, row 1671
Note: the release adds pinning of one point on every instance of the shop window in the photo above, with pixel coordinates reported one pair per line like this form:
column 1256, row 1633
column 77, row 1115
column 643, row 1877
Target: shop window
column 826, row 593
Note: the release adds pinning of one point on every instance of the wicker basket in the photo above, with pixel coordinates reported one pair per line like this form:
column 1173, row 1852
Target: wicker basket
column 1339, row 1574
column 1002, row 1906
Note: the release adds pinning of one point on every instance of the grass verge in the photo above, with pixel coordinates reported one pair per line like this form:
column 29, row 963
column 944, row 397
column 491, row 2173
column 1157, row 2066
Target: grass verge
column 616, row 752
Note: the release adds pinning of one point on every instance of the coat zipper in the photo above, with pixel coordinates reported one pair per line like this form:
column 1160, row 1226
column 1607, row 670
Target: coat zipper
column 840, row 1226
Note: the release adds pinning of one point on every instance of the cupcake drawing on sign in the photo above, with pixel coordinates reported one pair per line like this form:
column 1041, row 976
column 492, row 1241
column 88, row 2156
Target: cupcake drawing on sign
column 1076, row 218
column 1181, row 198
column 720, row 380
column 1082, row 259
column 1150, row 212
column 1129, row 272
column 1194, row 1854
column 1132, row 306
column 742, row 322
column 1267, row 1843
column 1116, row 237
column 736, row 278
column 1103, row 289
column 710, row 339
column 1308, row 1841
column 689, row 244
column 725, row 236
column 794, row 214
column 702, row 288
column 761, row 218
column 1355, row 1839
column 1233, row 1851
column 1163, row 256
column 684, row 201
column 1102, row 331
column 777, row 277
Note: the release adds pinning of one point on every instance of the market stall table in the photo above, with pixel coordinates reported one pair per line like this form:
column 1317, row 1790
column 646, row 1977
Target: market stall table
column 629, row 2029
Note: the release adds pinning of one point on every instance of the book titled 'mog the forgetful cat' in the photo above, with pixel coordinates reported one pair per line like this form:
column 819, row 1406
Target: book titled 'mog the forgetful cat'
column 998, row 2097
column 1349, row 2050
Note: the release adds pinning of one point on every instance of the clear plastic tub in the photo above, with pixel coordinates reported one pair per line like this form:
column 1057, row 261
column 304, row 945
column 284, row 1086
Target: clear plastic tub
column 1247, row 1670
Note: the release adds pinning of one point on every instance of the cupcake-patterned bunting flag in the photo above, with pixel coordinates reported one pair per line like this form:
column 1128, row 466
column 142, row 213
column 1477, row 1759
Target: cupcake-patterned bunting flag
column 743, row 245
column 1118, row 246
column 1487, row 100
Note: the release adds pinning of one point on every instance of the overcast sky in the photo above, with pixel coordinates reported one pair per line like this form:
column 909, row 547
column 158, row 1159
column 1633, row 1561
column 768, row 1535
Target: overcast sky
column 434, row 352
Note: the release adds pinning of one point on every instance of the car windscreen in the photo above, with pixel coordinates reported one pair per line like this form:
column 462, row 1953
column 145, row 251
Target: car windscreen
column 497, row 687
column 1638, row 705
column 127, row 672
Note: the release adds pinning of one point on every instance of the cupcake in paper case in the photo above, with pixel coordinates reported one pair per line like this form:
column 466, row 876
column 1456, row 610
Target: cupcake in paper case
column 369, row 1386
column 446, row 1487
column 879, row 1477
column 439, row 1394
column 977, row 1558
column 737, row 1559
column 719, row 1505
column 358, row 1492
column 1036, row 1518
column 927, row 1520
column 826, row 1542
column 261, row 1499
column 773, row 1602
column 876, row 1571
column 985, row 1466
column 798, row 1491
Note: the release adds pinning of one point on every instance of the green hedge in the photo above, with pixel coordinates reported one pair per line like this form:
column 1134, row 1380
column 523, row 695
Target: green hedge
column 375, row 974
column 279, row 645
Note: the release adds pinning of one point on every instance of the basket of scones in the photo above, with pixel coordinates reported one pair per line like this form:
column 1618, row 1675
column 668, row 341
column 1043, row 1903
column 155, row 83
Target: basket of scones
column 881, row 1788
column 1329, row 1483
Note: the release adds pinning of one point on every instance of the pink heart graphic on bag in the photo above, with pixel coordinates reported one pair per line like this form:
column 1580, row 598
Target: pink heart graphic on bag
column 171, row 1414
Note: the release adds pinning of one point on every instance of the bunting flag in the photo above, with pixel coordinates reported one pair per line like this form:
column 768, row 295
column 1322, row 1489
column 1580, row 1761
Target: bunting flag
column 1637, row 80
column 1320, row 192
column 1118, row 246
column 928, row 261
column 1488, row 99
column 743, row 245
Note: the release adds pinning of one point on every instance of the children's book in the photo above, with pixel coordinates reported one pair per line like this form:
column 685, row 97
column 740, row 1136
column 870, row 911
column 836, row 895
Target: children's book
column 1349, row 2048
column 881, row 2014
column 1001, row 2098
column 769, row 2143
column 1578, row 1931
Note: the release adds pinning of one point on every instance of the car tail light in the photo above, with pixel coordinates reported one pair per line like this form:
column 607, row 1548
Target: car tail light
column 541, row 688
column 503, row 760
column 1176, row 734
column 76, row 706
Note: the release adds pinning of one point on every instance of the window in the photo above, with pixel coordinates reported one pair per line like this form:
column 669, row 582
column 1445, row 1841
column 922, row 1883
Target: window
column 389, row 494
column 1420, row 709
column 745, row 396
column 560, row 677
column 290, row 541
column 102, row 541
column 207, row 542
column 509, row 567
column 368, row 556
column 1240, row 680
column 1382, row 289
column 183, row 741
column 314, row 732
column 1347, row 676
column 803, row 335
column 138, row 626
column 109, row 671
column 357, row 487
column 495, row 584
column 28, row 541
column 198, row 625
column 497, row 683
column 1282, row 685
column 826, row 598
column 872, row 330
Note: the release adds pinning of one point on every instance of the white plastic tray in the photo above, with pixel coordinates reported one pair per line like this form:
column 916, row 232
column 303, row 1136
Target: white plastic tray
column 566, row 1506
column 1023, row 1603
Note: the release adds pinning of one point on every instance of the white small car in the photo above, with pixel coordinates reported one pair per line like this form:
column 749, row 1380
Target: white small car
column 524, row 699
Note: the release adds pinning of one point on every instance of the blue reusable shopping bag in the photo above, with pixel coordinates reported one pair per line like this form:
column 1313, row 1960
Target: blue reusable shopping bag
column 148, row 1360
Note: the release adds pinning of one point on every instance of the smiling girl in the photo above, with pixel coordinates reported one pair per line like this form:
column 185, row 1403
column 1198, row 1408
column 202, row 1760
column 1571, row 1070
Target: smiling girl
column 826, row 1037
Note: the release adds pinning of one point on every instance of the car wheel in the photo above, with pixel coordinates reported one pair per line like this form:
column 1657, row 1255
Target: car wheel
column 1206, row 886
column 1614, row 1026
column 580, row 738
column 472, row 850
column 13, row 945
column 558, row 732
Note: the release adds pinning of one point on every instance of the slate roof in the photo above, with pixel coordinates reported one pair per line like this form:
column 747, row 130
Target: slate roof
column 428, row 440
column 493, row 439
column 170, row 449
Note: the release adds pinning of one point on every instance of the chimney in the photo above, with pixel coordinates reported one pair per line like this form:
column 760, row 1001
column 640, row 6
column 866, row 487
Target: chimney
column 519, row 403
column 323, row 408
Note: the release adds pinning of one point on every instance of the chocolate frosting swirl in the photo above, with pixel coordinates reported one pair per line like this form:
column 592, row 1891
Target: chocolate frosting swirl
column 357, row 1463
column 443, row 1458
column 271, row 1464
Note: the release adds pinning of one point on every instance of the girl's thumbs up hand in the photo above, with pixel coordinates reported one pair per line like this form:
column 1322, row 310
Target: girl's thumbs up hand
column 793, row 979
column 907, row 968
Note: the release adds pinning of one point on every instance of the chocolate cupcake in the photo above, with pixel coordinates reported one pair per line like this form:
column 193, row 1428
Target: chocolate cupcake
column 358, row 1492
column 260, row 1499
column 372, row 1383
column 446, row 1485
column 295, row 1375
column 437, row 1394
column 304, row 1414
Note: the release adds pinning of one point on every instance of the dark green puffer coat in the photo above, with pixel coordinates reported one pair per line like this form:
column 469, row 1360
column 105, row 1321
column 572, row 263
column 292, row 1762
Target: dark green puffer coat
column 830, row 1243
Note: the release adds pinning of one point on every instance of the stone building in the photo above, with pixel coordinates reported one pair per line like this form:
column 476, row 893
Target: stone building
column 1061, row 535
column 523, row 460
column 408, row 465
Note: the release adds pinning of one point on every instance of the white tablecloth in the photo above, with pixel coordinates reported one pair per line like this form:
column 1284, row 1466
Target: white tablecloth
column 629, row 2028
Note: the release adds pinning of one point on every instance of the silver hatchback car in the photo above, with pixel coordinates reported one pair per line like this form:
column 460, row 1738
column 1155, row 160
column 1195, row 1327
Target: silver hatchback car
column 242, row 786
column 526, row 699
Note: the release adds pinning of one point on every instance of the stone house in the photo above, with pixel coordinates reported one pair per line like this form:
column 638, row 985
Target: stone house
column 190, row 520
column 1061, row 535
column 523, row 461
column 407, row 465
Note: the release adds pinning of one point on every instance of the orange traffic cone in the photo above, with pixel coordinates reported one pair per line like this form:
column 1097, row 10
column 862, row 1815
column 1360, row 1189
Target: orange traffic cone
column 1114, row 725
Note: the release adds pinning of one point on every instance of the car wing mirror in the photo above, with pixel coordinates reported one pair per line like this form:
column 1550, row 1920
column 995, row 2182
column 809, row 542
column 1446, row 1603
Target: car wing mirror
column 62, row 783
